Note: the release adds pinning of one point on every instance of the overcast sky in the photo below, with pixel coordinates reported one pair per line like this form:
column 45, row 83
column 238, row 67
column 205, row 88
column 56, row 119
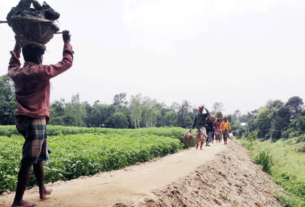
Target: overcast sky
column 238, row 52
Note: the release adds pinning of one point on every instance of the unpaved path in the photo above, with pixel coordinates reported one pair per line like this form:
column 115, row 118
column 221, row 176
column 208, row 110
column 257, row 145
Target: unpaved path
column 132, row 183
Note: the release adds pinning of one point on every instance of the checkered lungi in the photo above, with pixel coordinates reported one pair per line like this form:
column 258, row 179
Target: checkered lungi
column 35, row 146
column 201, row 135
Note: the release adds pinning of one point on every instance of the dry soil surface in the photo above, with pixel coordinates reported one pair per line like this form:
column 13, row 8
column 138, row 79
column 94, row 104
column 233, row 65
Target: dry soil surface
column 215, row 176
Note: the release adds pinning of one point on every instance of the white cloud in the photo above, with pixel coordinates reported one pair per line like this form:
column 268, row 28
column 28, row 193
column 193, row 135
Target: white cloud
column 159, row 24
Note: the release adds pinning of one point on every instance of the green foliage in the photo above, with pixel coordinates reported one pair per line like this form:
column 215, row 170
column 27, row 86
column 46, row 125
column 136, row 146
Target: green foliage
column 263, row 121
column 77, row 111
column 184, row 115
column 7, row 101
column 87, row 154
column 170, row 117
column 173, row 132
column 264, row 158
column 252, row 136
column 290, row 200
column 301, row 138
column 8, row 131
column 120, row 120
column 286, row 164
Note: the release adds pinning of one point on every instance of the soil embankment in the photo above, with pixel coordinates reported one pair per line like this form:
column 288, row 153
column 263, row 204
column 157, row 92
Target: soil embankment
column 216, row 176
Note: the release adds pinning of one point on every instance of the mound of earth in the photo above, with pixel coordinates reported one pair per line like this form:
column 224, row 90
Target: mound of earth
column 230, row 179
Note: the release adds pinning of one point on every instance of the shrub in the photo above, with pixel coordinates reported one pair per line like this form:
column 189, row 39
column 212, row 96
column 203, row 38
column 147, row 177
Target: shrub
column 252, row 136
column 264, row 158
column 302, row 149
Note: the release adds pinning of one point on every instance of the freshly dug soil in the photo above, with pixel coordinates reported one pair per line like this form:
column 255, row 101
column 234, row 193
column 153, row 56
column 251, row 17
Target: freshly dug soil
column 24, row 9
column 231, row 179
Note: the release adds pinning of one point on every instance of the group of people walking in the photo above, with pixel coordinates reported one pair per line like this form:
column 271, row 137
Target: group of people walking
column 209, row 128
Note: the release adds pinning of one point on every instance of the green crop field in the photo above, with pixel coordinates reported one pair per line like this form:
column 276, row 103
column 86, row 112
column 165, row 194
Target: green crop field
column 173, row 132
column 285, row 161
column 87, row 151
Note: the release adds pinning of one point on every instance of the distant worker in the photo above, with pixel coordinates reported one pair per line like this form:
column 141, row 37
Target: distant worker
column 199, row 125
column 218, row 130
column 210, row 129
column 213, row 132
column 32, row 90
column 226, row 128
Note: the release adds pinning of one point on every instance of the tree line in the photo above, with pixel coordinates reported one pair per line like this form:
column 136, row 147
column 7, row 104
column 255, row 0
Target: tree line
column 139, row 111
column 274, row 120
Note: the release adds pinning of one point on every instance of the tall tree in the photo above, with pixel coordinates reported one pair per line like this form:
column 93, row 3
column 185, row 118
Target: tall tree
column 76, row 110
column 119, row 99
column 170, row 118
column 57, row 113
column 101, row 115
column 150, row 111
column 135, row 107
column 184, row 115
column 7, row 101
column 58, row 108
column 277, row 126
column 217, row 107
column 296, row 105
column 175, row 107
column 119, row 120
column 237, row 114
column 263, row 122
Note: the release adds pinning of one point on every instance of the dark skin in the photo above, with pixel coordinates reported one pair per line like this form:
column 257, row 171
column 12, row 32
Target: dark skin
column 208, row 143
column 25, row 169
column 213, row 120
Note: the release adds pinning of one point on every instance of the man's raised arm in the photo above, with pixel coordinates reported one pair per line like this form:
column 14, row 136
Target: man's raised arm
column 14, row 61
column 66, row 62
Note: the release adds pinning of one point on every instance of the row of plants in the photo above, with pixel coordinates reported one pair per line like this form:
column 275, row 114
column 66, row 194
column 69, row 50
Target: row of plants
column 173, row 132
column 284, row 160
column 84, row 154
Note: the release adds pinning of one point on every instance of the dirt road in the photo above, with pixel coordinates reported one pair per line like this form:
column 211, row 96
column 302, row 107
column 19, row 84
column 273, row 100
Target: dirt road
column 132, row 183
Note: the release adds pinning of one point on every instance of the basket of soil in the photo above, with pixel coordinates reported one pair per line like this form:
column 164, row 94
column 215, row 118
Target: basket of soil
column 33, row 28
column 187, row 137
column 219, row 115
column 33, row 25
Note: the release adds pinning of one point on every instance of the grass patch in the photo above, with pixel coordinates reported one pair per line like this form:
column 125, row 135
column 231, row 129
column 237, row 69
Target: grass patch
column 284, row 161
column 264, row 158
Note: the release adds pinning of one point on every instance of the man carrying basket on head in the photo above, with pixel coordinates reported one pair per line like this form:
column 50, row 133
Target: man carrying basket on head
column 32, row 90
column 199, row 125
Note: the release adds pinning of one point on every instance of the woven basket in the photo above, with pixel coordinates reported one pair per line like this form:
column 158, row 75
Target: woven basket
column 219, row 115
column 34, row 29
column 187, row 137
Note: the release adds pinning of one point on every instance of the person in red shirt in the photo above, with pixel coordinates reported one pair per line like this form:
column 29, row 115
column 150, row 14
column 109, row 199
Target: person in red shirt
column 32, row 90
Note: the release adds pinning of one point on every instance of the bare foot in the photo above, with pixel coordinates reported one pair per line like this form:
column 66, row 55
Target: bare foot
column 23, row 204
column 45, row 193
